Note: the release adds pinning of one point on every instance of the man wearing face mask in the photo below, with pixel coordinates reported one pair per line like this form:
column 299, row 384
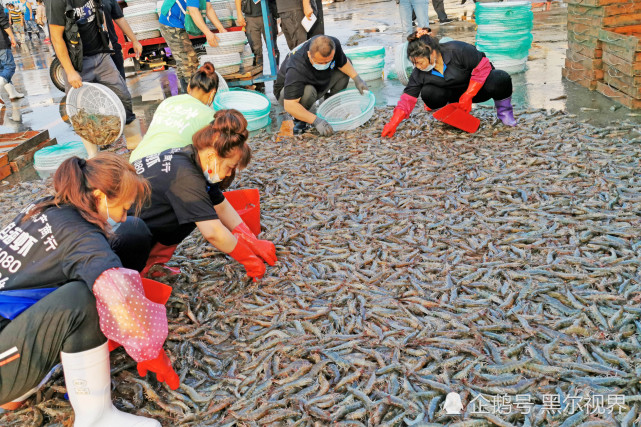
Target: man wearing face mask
column 316, row 69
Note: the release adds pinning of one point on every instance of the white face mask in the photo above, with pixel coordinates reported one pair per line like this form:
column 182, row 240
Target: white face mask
column 213, row 179
column 319, row 67
column 112, row 222
column 428, row 68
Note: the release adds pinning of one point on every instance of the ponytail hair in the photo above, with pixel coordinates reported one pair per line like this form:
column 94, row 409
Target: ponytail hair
column 205, row 78
column 226, row 133
column 76, row 179
column 421, row 44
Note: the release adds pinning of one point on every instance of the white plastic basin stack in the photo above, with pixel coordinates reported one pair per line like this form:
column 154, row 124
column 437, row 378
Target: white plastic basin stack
column 47, row 160
column 247, row 57
column 368, row 61
column 222, row 84
column 504, row 33
column 402, row 64
column 230, row 43
column 227, row 63
column 225, row 11
column 142, row 16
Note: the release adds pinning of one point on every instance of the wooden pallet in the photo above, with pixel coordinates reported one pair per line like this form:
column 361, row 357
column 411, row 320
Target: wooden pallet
column 596, row 3
column 587, row 51
column 249, row 73
column 585, row 79
column 17, row 144
column 618, row 96
column 17, row 149
column 5, row 169
column 26, row 160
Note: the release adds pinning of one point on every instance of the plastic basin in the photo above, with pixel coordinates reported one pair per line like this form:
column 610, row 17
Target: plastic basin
column 348, row 109
column 252, row 105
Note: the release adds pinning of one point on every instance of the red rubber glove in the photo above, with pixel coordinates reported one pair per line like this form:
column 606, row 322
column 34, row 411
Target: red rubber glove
column 254, row 266
column 465, row 101
column 390, row 128
column 161, row 365
column 262, row 248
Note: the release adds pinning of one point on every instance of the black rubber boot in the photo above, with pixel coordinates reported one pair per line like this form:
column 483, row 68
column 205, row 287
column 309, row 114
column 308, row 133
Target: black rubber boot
column 300, row 127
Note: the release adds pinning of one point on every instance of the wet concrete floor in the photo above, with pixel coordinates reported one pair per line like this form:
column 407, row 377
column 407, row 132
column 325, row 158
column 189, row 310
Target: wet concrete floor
column 377, row 23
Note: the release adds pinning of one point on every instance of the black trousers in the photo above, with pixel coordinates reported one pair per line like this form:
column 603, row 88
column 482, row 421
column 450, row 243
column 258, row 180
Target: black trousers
column 439, row 7
column 497, row 86
column 319, row 26
column 256, row 32
column 118, row 59
column 65, row 320
column 132, row 242
column 337, row 82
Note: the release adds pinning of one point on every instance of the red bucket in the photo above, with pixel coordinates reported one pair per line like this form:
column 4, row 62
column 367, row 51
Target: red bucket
column 154, row 291
column 247, row 204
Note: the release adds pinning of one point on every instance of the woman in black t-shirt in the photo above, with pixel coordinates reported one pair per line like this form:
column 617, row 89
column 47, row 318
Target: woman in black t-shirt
column 185, row 194
column 54, row 256
column 451, row 72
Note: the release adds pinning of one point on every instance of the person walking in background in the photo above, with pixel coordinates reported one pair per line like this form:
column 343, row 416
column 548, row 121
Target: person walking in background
column 113, row 13
column 41, row 20
column 7, row 63
column 17, row 22
column 420, row 8
column 172, row 28
column 439, row 7
column 30, row 26
column 250, row 16
column 291, row 13
column 319, row 26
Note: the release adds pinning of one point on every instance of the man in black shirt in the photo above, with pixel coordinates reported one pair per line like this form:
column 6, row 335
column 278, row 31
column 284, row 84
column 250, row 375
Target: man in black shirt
column 317, row 68
column 113, row 13
column 250, row 16
column 97, row 65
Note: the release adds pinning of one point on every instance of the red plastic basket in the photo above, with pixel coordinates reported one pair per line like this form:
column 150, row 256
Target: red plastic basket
column 247, row 204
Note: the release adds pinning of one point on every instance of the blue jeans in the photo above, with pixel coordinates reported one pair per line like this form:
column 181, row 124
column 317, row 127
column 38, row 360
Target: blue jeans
column 420, row 8
column 31, row 28
column 7, row 64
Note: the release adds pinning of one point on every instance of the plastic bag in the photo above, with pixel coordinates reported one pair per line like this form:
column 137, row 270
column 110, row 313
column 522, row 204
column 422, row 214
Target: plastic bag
column 127, row 316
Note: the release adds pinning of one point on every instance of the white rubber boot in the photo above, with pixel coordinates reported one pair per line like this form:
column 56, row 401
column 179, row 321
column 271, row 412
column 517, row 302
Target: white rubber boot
column 11, row 90
column 133, row 134
column 89, row 388
column 92, row 149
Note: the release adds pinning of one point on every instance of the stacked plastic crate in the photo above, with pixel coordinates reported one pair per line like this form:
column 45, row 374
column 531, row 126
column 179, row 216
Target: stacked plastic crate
column 622, row 57
column 584, row 63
